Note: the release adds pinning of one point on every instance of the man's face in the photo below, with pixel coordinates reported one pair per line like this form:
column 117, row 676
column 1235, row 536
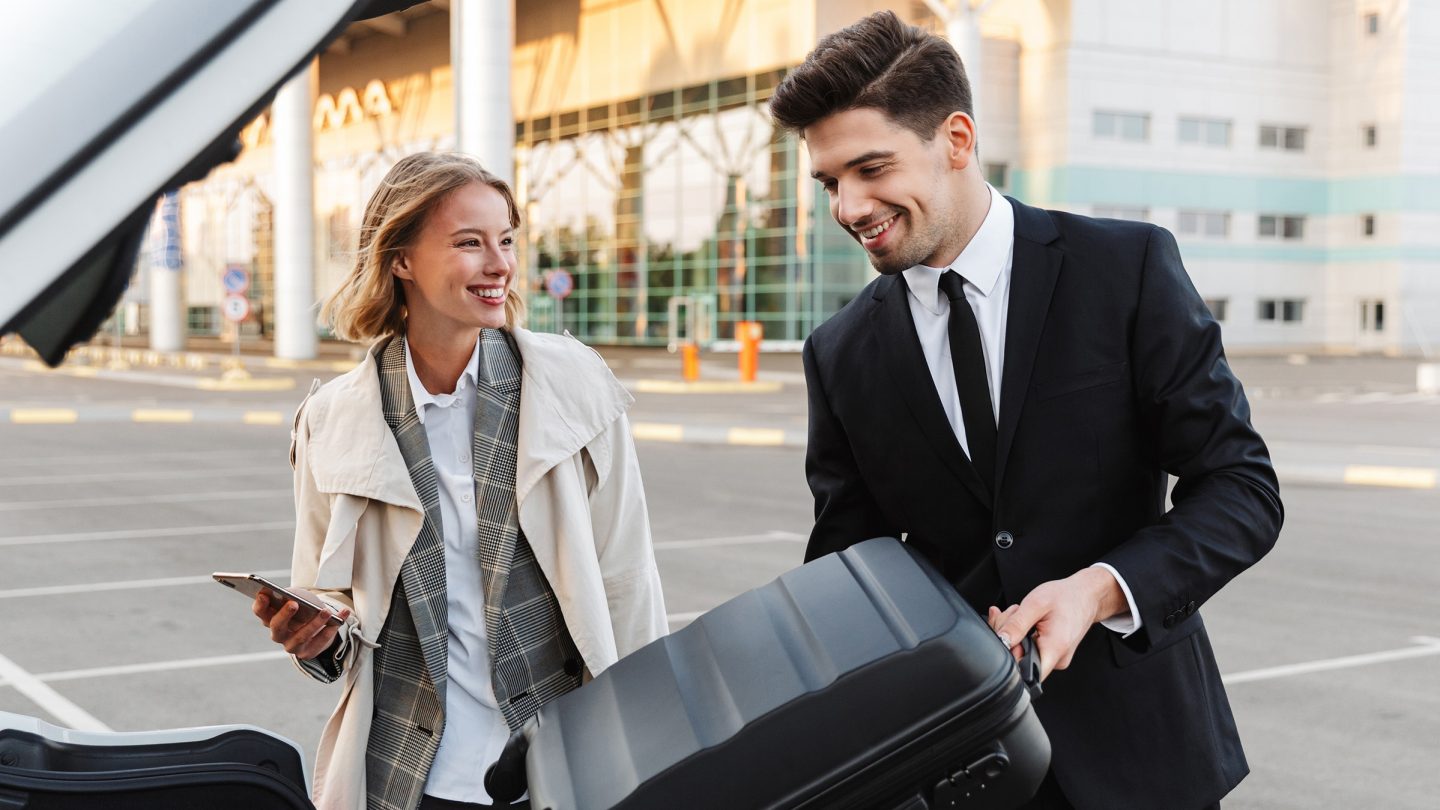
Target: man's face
column 893, row 192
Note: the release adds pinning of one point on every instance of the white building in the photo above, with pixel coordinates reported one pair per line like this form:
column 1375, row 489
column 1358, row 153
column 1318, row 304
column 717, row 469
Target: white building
column 1292, row 146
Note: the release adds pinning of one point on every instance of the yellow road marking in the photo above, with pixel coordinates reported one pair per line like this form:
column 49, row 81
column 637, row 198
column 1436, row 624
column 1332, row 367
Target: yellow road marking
column 1403, row 477
column 252, row 384
column 43, row 416
column 657, row 432
column 762, row 437
column 160, row 415
column 706, row 387
column 264, row 418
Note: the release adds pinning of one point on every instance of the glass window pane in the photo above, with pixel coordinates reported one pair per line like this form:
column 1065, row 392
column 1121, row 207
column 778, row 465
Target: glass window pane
column 1217, row 224
column 1104, row 125
column 1189, row 130
column 1134, row 127
column 1295, row 138
column 1294, row 227
column 1269, row 136
column 1294, row 310
column 1189, row 222
column 1267, row 226
column 1218, row 133
column 1266, row 310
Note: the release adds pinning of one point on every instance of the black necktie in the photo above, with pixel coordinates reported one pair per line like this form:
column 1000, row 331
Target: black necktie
column 968, row 356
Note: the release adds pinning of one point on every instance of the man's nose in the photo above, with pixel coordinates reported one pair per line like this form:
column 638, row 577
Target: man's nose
column 852, row 205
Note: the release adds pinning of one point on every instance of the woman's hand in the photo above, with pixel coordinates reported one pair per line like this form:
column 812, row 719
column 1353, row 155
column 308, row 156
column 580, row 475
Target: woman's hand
column 304, row 640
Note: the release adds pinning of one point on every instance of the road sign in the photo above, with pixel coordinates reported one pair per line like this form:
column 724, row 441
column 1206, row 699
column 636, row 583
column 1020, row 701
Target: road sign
column 236, row 279
column 236, row 307
column 560, row 284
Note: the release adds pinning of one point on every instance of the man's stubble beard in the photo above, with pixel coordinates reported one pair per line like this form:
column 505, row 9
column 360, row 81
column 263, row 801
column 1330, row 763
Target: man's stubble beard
column 914, row 249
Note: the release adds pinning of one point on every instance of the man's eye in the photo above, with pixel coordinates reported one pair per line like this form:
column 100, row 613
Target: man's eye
column 871, row 171
column 828, row 185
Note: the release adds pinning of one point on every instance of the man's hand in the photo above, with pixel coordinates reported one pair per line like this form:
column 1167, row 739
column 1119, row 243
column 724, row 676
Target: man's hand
column 1060, row 613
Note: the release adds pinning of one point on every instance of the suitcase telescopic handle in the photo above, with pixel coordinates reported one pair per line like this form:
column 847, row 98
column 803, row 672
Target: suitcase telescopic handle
column 505, row 780
column 1030, row 667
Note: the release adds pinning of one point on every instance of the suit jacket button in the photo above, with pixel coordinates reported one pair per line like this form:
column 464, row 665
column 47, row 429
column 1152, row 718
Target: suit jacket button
column 1169, row 621
column 572, row 667
column 1004, row 540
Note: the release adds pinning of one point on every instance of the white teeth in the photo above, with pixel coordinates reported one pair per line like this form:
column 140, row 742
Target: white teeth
column 878, row 229
column 497, row 292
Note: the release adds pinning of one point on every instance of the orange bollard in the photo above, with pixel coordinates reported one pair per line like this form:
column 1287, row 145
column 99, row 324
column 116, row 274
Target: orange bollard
column 690, row 361
column 749, row 334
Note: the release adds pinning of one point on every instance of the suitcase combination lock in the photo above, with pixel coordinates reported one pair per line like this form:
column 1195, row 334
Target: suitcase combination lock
column 966, row 784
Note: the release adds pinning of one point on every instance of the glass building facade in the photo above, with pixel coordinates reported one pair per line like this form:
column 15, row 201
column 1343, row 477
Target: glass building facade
column 690, row 193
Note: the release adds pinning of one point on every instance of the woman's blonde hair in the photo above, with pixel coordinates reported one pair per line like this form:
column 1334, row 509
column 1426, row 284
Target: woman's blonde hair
column 370, row 302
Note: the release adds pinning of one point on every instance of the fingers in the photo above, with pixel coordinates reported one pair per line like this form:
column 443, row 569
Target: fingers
column 1017, row 621
column 262, row 607
column 305, row 639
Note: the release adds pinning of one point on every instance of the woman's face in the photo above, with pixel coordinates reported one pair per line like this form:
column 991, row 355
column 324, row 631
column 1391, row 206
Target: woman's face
column 458, row 271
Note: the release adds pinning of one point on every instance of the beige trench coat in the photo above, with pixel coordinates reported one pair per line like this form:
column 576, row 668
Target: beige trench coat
column 581, row 506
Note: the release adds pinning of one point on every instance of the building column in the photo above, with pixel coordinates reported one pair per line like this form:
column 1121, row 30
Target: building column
column 167, row 290
column 294, row 144
column 962, row 28
column 482, row 37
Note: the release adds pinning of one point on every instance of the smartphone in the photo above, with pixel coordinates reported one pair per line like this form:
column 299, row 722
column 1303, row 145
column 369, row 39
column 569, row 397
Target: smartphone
column 252, row 584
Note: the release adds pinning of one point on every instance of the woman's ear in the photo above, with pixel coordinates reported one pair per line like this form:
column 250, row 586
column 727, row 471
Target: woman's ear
column 400, row 267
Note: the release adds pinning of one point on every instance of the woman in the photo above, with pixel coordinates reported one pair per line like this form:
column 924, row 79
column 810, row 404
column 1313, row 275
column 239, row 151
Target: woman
column 467, row 498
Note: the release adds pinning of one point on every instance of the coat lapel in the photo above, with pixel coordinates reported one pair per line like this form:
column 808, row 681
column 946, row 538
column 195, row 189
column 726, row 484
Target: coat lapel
column 1035, row 267
column 899, row 347
column 423, row 573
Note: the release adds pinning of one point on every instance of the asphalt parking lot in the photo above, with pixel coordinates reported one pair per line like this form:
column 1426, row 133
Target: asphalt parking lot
column 119, row 494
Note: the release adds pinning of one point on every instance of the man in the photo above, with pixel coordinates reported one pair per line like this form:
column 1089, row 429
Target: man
column 1009, row 395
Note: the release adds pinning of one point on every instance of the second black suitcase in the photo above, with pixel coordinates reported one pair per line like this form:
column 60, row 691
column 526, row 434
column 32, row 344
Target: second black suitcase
column 859, row 680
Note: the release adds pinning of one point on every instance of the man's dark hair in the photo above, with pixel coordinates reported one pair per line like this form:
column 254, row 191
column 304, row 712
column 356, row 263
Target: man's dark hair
column 914, row 77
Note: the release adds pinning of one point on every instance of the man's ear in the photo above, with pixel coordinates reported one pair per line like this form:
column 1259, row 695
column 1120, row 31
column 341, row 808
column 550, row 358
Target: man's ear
column 958, row 130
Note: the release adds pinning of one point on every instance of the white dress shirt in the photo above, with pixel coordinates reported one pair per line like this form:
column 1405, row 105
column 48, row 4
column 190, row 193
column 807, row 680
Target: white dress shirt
column 985, row 264
column 475, row 730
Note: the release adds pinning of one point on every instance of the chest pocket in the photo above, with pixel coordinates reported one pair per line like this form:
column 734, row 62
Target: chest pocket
column 1085, row 380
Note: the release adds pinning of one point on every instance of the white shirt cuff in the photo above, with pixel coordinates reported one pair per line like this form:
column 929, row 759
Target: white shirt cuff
column 1121, row 623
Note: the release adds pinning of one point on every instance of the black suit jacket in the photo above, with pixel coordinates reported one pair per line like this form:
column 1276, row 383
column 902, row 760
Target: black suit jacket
column 1114, row 376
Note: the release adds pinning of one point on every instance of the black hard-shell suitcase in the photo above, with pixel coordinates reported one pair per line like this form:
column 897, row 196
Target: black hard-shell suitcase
column 46, row 767
column 859, row 680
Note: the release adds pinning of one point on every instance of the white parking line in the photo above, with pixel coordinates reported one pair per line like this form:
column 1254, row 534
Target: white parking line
column 162, row 666
column 144, row 534
column 737, row 540
column 142, row 475
column 126, row 500
column 132, row 458
column 48, row 699
column 1425, row 645
column 133, row 584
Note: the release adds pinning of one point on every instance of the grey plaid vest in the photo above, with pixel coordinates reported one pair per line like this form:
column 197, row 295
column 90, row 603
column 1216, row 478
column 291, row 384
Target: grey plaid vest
column 532, row 656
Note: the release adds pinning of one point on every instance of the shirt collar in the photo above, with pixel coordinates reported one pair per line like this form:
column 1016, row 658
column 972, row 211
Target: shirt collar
column 424, row 398
column 981, row 262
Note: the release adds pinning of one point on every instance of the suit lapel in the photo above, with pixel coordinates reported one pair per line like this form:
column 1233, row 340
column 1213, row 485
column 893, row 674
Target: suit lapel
column 423, row 573
column 899, row 347
column 1035, row 267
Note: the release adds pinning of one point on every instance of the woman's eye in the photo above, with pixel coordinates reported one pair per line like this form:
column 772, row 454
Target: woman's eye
column 468, row 243
column 508, row 241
